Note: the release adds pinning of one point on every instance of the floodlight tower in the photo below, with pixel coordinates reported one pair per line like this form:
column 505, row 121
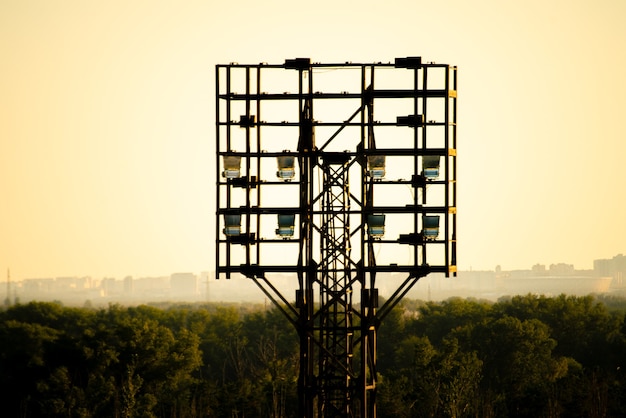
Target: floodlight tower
column 322, row 182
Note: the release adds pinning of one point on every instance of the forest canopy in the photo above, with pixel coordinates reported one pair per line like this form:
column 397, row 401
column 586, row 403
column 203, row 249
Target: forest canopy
column 526, row 356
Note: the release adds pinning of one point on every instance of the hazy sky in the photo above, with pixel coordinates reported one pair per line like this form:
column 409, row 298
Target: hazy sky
column 107, row 122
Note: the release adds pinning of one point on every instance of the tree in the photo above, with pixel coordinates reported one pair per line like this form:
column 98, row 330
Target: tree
column 518, row 365
column 23, row 356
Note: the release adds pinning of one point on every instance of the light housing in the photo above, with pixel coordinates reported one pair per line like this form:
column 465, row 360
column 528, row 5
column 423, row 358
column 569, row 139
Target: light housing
column 376, row 225
column 412, row 121
column 298, row 63
column 430, row 166
column 232, row 166
column 376, row 166
column 430, row 227
column 247, row 121
column 232, row 225
column 408, row 62
column 286, row 225
column 286, row 164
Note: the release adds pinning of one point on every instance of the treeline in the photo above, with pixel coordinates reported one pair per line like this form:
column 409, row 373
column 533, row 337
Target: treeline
column 527, row 356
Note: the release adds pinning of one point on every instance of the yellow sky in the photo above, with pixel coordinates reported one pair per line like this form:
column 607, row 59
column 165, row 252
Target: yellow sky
column 106, row 122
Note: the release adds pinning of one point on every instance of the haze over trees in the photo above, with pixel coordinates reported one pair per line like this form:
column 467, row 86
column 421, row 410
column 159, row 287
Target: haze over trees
column 527, row 356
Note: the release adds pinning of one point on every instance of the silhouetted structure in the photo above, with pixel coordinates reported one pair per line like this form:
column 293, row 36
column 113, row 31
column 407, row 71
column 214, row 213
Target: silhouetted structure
column 325, row 176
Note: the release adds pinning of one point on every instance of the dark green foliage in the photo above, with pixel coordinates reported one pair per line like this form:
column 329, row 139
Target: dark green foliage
column 527, row 356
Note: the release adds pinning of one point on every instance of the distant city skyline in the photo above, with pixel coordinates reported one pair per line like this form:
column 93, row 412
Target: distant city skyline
column 594, row 265
column 607, row 277
column 107, row 122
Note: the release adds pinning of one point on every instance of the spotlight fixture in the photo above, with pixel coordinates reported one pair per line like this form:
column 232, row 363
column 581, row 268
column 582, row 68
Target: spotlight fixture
column 232, row 225
column 286, row 170
column 430, row 227
column 430, row 166
column 286, row 225
column 232, row 166
column 376, row 166
column 376, row 225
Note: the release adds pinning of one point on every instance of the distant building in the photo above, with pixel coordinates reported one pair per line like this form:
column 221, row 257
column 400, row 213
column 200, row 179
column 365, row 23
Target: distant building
column 111, row 287
column 562, row 269
column 554, row 285
column 184, row 285
column 128, row 285
column 615, row 268
column 204, row 284
column 539, row 270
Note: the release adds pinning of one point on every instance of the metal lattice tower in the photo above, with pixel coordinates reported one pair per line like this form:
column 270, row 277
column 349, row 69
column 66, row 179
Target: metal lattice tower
column 344, row 220
column 336, row 327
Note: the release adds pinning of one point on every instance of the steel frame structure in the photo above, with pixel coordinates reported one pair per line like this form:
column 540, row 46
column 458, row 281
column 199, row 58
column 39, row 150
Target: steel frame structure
column 335, row 254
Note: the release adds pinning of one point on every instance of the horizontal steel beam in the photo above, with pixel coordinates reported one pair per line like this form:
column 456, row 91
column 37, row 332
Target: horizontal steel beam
column 391, row 268
column 376, row 94
column 391, row 152
column 372, row 209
